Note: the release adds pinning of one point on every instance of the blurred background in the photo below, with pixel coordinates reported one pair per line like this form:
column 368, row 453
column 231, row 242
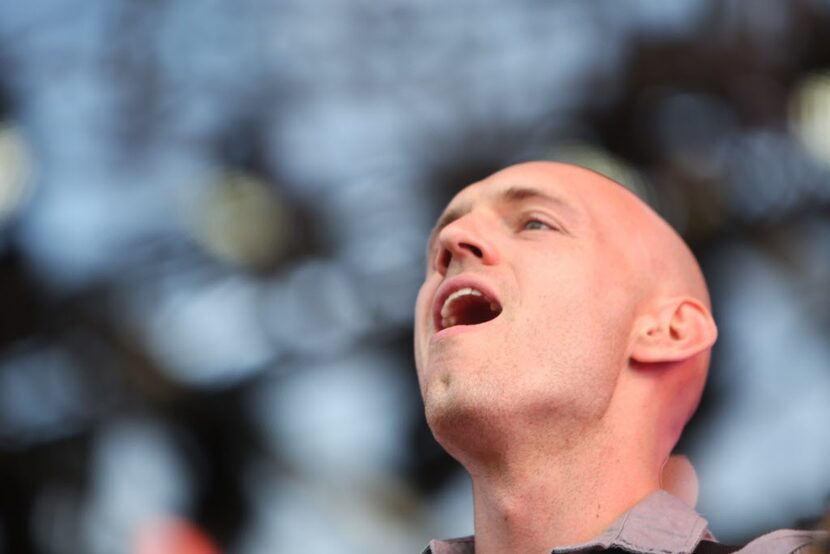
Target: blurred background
column 212, row 226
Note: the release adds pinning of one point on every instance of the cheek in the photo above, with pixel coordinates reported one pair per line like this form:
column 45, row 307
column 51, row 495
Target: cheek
column 574, row 327
column 423, row 303
column 422, row 324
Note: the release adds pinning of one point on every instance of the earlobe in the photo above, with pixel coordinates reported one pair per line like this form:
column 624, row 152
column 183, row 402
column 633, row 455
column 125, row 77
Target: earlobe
column 677, row 330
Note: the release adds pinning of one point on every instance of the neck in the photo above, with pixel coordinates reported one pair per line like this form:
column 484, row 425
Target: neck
column 533, row 500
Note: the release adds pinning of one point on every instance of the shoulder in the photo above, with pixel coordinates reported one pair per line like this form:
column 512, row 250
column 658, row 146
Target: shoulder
column 462, row 545
column 787, row 541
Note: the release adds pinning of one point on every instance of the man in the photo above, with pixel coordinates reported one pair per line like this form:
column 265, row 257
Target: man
column 562, row 340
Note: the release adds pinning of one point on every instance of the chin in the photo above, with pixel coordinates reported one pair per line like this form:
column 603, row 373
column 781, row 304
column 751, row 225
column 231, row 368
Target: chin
column 464, row 425
column 458, row 431
column 444, row 405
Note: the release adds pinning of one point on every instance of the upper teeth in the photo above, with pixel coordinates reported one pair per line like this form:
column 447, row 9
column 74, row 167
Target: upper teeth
column 445, row 309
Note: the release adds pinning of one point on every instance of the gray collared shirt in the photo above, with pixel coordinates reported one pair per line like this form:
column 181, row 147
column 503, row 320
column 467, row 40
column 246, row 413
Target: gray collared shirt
column 660, row 523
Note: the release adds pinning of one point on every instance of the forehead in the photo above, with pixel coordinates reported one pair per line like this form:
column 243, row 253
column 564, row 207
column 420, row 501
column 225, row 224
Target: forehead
column 513, row 190
column 514, row 187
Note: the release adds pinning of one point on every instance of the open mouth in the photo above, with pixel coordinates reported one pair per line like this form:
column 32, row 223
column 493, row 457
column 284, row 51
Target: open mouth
column 466, row 306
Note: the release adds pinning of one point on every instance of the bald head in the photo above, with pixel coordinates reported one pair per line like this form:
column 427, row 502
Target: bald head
column 603, row 314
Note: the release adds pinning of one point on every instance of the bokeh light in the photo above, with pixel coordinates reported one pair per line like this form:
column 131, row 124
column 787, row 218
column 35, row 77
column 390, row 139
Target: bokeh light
column 243, row 221
column 810, row 115
column 16, row 177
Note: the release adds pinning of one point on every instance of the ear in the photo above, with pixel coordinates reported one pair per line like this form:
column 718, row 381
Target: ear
column 675, row 330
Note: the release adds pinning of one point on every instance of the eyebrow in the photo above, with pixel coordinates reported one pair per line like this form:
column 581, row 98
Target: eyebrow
column 511, row 195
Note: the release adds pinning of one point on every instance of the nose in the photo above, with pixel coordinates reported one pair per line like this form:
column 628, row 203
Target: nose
column 466, row 240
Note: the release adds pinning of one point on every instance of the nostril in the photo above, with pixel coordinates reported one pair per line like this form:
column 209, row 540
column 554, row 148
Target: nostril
column 445, row 259
column 474, row 249
column 445, row 256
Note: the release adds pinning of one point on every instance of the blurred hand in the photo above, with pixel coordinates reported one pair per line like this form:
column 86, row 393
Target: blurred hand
column 680, row 478
column 172, row 535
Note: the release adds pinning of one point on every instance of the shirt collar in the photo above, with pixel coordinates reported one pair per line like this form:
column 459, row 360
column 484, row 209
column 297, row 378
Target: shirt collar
column 659, row 523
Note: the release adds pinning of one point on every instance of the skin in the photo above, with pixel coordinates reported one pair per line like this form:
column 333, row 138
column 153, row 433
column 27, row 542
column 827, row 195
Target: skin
column 564, row 408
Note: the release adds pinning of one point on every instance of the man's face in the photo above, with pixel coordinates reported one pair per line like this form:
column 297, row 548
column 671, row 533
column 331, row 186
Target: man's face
column 525, row 310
